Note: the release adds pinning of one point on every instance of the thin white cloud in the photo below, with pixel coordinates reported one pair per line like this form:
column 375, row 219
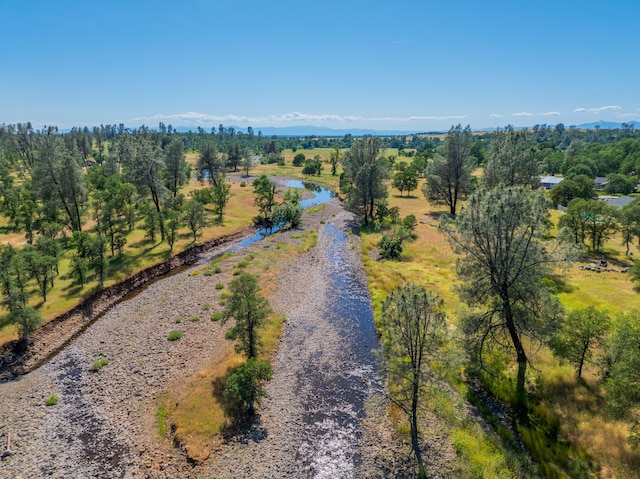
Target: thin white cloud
column 201, row 118
column 528, row 113
column 628, row 115
column 598, row 109
column 496, row 115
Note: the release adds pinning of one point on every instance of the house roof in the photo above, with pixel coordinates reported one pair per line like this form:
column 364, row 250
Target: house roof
column 601, row 180
column 617, row 201
column 553, row 180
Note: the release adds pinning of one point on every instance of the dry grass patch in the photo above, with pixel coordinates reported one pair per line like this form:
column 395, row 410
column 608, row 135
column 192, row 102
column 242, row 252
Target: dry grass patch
column 199, row 416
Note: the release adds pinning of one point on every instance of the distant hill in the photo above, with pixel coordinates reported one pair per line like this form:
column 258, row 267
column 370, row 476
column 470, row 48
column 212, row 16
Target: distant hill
column 609, row 125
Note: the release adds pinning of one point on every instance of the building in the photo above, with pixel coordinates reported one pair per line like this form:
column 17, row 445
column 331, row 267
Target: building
column 548, row 182
column 617, row 201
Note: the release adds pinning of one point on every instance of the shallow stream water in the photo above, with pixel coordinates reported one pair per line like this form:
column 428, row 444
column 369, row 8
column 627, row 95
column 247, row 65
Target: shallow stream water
column 335, row 404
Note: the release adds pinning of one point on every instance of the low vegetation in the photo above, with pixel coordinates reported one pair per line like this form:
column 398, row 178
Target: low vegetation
column 175, row 335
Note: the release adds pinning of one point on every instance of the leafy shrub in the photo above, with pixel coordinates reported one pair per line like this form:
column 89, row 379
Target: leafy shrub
column 219, row 286
column 52, row 400
column 178, row 320
column 299, row 159
column 287, row 214
column 175, row 335
column 99, row 364
column 243, row 184
column 217, row 316
column 242, row 264
column 312, row 167
column 206, row 307
column 194, row 318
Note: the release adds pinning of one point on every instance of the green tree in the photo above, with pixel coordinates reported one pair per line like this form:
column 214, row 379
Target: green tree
column 78, row 269
column 220, row 197
column 621, row 359
column 594, row 220
column 391, row 244
column 405, row 180
column 41, row 267
column 249, row 309
column 176, row 172
column 234, row 155
column 247, row 163
column 144, row 171
column 245, row 386
column 499, row 236
column 334, row 159
column 194, row 217
column 365, row 170
column 299, row 159
column 14, row 275
column 413, row 329
column 58, row 180
column 210, row 165
column 581, row 332
column 173, row 224
column 511, row 161
column 629, row 219
column 312, row 167
column 288, row 213
column 265, row 199
column 564, row 192
column 618, row 184
column 449, row 177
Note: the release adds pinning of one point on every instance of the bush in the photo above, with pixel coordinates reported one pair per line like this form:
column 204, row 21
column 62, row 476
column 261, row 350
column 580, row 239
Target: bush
column 175, row 335
column 217, row 316
column 52, row 400
column 287, row 214
column 178, row 320
column 206, row 307
column 390, row 245
column 219, row 286
column 243, row 184
column 194, row 319
column 99, row 364
column 299, row 159
column 312, row 167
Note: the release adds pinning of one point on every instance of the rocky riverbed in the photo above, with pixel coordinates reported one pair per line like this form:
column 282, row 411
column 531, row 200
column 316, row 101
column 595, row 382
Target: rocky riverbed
column 103, row 423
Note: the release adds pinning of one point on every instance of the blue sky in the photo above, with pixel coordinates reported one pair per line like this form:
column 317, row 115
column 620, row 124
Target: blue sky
column 413, row 65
